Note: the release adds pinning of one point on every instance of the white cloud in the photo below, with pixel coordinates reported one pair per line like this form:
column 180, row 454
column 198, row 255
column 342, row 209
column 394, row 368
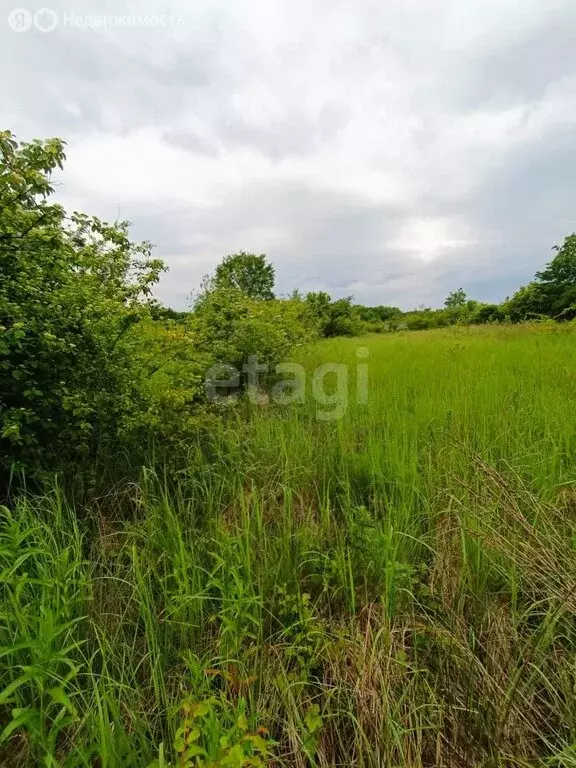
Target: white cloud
column 430, row 238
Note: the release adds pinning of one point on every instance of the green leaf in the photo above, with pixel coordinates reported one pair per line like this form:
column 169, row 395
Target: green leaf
column 313, row 720
column 26, row 717
column 59, row 696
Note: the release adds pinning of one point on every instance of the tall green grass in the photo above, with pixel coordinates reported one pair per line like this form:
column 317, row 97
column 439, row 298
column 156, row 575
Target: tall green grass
column 396, row 587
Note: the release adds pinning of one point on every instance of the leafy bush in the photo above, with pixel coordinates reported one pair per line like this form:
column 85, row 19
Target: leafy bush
column 77, row 348
column 229, row 326
column 334, row 317
column 488, row 313
column 213, row 735
column 528, row 301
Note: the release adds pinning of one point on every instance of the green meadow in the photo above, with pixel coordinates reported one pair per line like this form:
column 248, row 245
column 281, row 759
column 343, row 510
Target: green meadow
column 394, row 586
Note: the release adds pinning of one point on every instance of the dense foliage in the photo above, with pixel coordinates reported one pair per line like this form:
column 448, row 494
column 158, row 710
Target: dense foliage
column 90, row 364
column 245, row 272
column 80, row 353
column 230, row 326
column 553, row 291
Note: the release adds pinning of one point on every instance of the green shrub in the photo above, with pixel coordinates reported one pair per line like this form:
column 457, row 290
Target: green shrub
column 229, row 327
column 79, row 353
column 334, row 318
column 488, row 313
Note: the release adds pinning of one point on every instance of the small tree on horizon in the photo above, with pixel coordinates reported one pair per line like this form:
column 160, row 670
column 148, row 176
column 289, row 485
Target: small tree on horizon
column 247, row 272
column 456, row 299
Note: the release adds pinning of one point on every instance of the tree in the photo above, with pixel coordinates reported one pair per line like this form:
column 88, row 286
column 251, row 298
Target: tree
column 72, row 289
column 229, row 327
column 562, row 269
column 529, row 302
column 376, row 314
column 341, row 318
column 558, row 281
column 246, row 272
column 333, row 318
column 552, row 293
column 487, row 313
column 456, row 299
column 318, row 303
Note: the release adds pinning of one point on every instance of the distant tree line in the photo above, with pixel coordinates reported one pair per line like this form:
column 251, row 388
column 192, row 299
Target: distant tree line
column 550, row 295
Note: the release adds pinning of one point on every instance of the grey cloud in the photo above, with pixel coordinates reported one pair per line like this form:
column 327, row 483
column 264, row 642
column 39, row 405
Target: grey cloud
column 333, row 241
column 519, row 70
column 294, row 135
column 192, row 142
column 529, row 205
column 329, row 240
column 76, row 83
column 73, row 80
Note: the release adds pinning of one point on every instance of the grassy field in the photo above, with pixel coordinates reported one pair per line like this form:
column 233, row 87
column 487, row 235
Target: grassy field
column 394, row 587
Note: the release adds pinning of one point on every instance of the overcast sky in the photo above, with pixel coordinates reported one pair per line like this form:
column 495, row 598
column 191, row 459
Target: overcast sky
column 393, row 150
